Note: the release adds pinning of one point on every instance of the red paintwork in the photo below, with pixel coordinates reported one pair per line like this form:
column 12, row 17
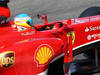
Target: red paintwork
column 5, row 11
column 26, row 44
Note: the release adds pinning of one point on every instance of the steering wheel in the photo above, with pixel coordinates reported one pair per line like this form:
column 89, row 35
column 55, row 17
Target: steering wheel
column 57, row 25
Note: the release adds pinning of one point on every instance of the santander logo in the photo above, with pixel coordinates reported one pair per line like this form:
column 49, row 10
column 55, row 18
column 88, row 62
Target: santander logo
column 87, row 29
column 91, row 28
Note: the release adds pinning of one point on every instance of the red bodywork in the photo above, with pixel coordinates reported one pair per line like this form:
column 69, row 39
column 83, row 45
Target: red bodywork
column 29, row 52
column 5, row 11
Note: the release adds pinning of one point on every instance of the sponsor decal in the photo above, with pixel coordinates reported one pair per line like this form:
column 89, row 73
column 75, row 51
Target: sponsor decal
column 73, row 36
column 23, row 41
column 43, row 54
column 28, row 33
column 87, row 29
column 91, row 28
column 93, row 36
column 7, row 59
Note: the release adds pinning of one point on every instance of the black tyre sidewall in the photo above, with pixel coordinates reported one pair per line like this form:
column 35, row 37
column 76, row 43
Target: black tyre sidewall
column 92, row 11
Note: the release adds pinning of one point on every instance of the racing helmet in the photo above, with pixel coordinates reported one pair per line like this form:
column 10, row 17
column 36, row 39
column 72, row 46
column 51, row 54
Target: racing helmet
column 23, row 20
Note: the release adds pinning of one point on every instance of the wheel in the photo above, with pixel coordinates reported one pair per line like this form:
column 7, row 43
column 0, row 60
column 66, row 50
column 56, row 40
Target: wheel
column 56, row 68
column 92, row 11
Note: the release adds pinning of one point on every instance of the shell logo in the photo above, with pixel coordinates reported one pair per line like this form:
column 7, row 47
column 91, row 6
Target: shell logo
column 43, row 54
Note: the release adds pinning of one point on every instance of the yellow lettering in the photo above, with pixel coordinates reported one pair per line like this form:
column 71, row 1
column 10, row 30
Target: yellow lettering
column 12, row 60
column 7, row 60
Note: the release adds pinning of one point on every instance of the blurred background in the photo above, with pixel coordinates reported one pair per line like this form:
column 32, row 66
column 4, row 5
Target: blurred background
column 55, row 9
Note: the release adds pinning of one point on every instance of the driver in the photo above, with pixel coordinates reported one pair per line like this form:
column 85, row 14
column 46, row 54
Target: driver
column 4, row 11
column 23, row 22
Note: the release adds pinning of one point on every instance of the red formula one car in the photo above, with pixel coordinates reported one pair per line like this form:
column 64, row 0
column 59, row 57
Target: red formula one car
column 32, row 52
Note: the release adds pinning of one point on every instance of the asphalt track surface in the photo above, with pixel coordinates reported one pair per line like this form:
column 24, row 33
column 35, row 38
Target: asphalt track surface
column 55, row 9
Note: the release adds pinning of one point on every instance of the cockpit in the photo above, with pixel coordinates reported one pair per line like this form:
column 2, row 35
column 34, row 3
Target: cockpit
column 51, row 26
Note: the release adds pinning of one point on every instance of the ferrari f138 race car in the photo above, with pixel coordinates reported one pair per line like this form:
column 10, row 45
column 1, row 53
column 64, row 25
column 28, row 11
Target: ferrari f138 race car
column 32, row 52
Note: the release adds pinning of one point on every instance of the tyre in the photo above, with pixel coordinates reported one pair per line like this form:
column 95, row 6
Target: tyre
column 92, row 11
column 56, row 68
